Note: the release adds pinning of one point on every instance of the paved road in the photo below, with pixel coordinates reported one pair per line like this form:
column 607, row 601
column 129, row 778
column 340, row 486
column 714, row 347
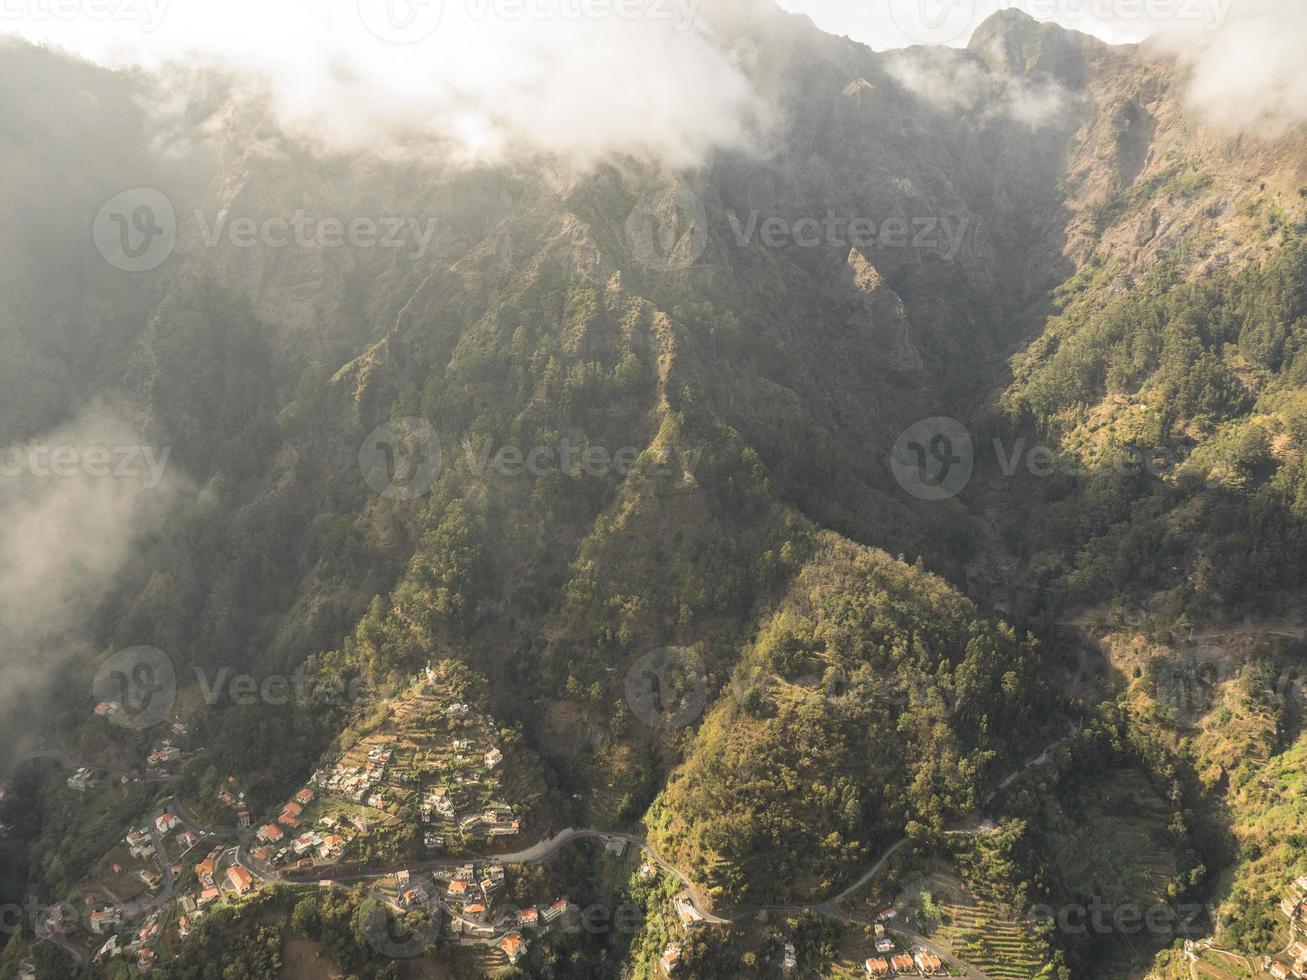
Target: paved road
column 831, row 908
column 64, row 759
column 536, row 854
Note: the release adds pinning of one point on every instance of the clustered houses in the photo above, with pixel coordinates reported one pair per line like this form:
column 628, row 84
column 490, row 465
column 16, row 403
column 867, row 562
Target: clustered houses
column 138, row 948
column 236, row 802
column 922, row 963
column 284, row 838
column 1294, row 908
column 439, row 758
column 355, row 783
column 468, row 894
column 165, row 753
column 436, row 759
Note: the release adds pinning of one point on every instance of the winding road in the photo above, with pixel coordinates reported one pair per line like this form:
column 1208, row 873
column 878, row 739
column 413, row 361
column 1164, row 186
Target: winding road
column 538, row 854
column 831, row 908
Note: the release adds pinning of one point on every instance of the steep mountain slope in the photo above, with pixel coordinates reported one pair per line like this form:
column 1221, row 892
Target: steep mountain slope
column 753, row 379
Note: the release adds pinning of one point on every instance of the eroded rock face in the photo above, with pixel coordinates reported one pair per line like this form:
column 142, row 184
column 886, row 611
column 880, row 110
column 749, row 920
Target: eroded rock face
column 876, row 312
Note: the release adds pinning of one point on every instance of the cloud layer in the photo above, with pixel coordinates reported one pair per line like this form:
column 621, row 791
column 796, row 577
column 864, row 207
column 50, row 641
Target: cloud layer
column 580, row 78
column 1249, row 76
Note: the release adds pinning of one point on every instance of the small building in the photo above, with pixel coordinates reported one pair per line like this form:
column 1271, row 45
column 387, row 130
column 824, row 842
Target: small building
column 304, row 797
column 529, row 917
column 928, row 963
column 270, row 833
column 689, row 915
column 240, row 879
column 560, row 907
column 877, row 967
column 204, row 871
column 415, row 897
column 902, row 963
column 166, row 822
column 106, row 918
column 493, row 758
column 789, row 959
column 671, row 958
column 513, row 945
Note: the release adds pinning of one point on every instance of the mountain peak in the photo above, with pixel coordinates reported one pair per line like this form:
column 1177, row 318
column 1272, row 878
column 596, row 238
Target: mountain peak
column 1012, row 42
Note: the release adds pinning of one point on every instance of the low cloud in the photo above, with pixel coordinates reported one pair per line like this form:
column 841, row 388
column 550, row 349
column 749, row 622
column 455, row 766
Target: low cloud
column 1248, row 76
column 582, row 79
column 955, row 81
column 75, row 504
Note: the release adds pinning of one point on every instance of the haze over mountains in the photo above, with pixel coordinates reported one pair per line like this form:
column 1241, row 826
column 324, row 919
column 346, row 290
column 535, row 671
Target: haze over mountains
column 765, row 266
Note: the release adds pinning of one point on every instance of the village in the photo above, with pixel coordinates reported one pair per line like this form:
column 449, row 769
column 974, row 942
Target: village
column 1293, row 962
column 435, row 763
column 429, row 785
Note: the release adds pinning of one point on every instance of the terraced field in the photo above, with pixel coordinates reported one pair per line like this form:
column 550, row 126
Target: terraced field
column 991, row 939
